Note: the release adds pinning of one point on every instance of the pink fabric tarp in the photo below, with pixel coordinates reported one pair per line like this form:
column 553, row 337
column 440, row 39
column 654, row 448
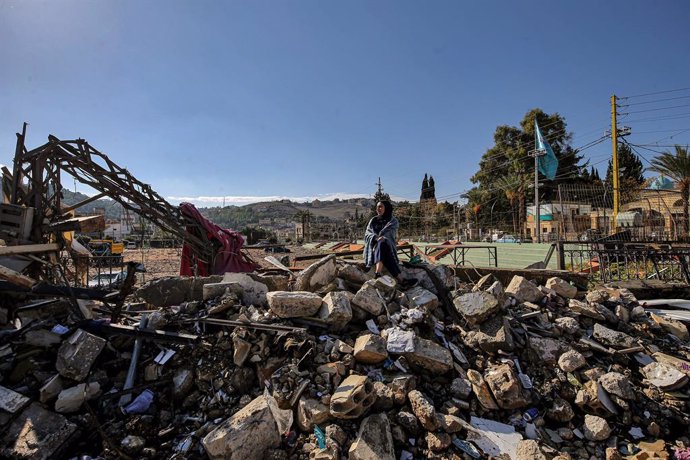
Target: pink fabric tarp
column 228, row 256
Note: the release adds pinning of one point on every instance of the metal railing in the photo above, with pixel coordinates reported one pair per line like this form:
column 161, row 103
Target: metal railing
column 619, row 261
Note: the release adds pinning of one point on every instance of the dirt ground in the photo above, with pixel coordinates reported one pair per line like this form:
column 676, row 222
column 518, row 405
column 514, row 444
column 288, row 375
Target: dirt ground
column 166, row 261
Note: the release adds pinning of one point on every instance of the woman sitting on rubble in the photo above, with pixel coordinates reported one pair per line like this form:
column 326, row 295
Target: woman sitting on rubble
column 380, row 243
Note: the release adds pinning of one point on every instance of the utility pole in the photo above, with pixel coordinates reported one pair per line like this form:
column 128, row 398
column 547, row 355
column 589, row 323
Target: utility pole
column 614, row 142
column 536, row 153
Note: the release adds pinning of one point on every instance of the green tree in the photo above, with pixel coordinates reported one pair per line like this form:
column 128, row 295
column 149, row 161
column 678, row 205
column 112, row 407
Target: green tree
column 511, row 155
column 629, row 164
column 514, row 185
column 676, row 166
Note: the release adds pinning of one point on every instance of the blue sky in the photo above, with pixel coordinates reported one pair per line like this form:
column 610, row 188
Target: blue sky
column 255, row 99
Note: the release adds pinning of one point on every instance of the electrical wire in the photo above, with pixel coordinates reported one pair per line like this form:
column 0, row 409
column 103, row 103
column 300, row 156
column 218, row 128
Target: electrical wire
column 655, row 93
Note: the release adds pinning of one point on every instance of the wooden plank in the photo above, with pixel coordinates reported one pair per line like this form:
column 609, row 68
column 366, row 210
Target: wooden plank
column 16, row 277
column 28, row 249
column 85, row 224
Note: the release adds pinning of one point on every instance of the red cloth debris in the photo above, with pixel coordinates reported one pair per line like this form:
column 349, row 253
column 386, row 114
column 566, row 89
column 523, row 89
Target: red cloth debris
column 228, row 256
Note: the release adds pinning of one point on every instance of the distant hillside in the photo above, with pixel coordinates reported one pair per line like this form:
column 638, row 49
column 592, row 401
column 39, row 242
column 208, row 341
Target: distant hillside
column 237, row 217
column 113, row 210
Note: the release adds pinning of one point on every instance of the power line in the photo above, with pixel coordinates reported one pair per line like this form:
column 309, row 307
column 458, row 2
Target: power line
column 654, row 102
column 655, row 93
column 659, row 108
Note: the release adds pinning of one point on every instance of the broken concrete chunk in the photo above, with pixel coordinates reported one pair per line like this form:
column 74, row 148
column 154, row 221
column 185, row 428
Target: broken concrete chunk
column 476, row 307
column 247, row 435
column 352, row 273
column 311, row 412
column 374, row 440
column 571, row 361
column 353, row 397
column 421, row 298
column 213, row 290
column 37, row 434
column 317, row 275
column 505, row 387
column 51, row 388
column 336, row 310
column 549, row 350
column 586, row 309
column 369, row 299
column 385, row 284
column 241, row 349
column 617, row 384
column 423, row 409
column 494, row 335
column 253, row 292
column 70, row 399
column 438, row 442
column 665, row 377
column 481, row 390
column 285, row 304
column 524, row 290
column 672, row 326
column 597, row 296
column 430, row 356
column 561, row 287
column 77, row 354
column 370, row 349
column 568, row 325
column 11, row 401
column 528, row 449
column 596, row 428
column 612, row 338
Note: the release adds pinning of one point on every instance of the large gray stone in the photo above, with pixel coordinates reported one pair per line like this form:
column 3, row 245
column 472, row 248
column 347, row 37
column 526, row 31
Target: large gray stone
column 317, row 275
column 612, row 338
column 476, row 307
column 174, row 290
column 596, row 428
column 506, row 388
column 370, row 349
column 71, row 399
column 369, row 299
column 422, row 298
column 213, row 290
column 547, row 349
column 374, row 440
column 247, row 435
column 37, row 434
column 571, row 361
column 285, row 304
column 586, row 309
column 352, row 273
column 617, row 384
column 430, row 356
column 423, row 408
column 77, row 354
column 561, row 287
column 336, row 310
column 253, row 292
column 524, row 290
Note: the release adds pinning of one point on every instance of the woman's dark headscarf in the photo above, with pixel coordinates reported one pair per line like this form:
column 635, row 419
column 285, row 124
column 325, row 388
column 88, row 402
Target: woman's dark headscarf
column 387, row 211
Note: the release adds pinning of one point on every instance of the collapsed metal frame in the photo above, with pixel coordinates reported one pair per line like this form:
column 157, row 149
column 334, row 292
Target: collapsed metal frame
column 37, row 177
column 619, row 261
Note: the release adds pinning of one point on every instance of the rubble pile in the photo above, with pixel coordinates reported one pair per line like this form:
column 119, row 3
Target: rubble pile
column 333, row 363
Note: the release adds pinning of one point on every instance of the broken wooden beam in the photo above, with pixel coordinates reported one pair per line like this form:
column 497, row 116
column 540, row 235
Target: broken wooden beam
column 24, row 249
column 85, row 224
column 16, row 278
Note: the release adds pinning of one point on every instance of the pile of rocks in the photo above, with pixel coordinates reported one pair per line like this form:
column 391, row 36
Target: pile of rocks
column 334, row 364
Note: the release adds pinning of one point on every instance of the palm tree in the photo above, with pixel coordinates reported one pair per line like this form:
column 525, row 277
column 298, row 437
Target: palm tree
column 676, row 166
column 514, row 186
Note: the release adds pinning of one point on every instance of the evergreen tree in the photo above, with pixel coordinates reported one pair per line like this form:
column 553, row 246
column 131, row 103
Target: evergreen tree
column 630, row 167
